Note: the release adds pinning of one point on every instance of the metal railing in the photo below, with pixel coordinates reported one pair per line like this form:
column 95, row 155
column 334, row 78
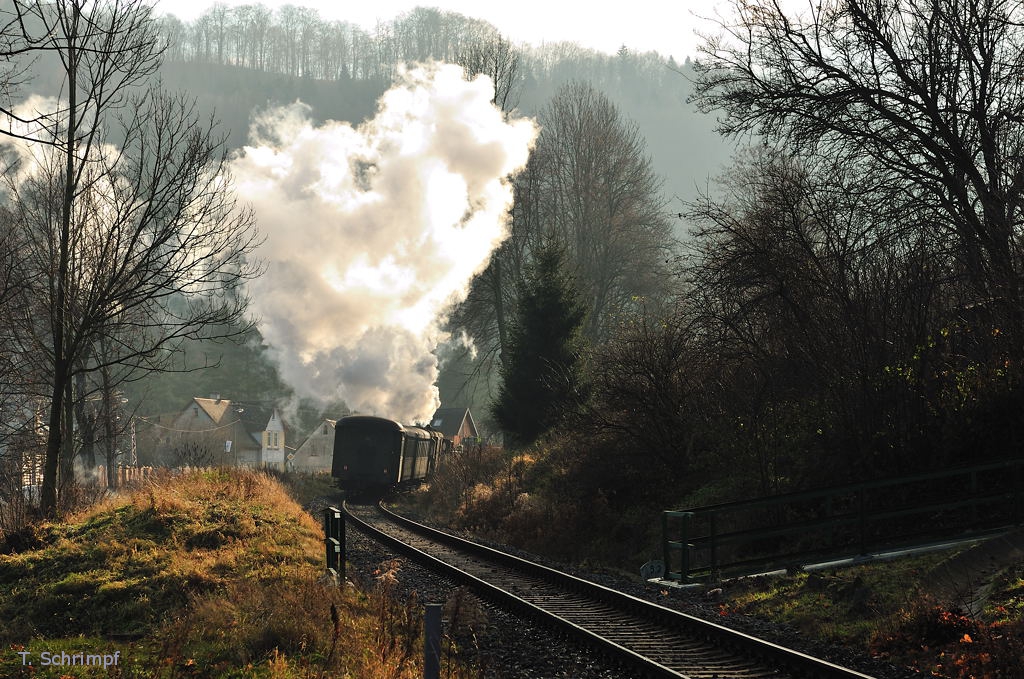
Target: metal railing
column 791, row 530
column 334, row 544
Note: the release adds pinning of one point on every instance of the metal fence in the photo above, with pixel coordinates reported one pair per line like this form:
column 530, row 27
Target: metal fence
column 787, row 531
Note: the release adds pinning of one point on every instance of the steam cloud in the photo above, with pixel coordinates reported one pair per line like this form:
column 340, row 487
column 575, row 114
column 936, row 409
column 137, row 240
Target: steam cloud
column 374, row 232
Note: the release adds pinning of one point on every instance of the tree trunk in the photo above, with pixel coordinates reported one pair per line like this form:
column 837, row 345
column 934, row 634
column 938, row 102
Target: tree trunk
column 109, row 430
column 66, row 473
column 86, row 420
column 499, row 310
column 48, row 494
column 61, row 364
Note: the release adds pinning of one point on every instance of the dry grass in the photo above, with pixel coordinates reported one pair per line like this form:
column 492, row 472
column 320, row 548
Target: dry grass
column 529, row 500
column 883, row 609
column 214, row 573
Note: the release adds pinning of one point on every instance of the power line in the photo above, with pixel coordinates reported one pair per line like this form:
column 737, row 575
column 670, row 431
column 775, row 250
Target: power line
column 186, row 431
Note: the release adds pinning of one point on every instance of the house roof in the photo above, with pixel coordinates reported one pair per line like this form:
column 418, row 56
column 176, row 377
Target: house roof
column 253, row 417
column 311, row 434
column 449, row 421
column 215, row 408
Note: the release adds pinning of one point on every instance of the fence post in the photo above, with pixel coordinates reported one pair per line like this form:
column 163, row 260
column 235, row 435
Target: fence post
column 666, row 553
column 863, row 518
column 683, row 534
column 684, row 548
column 1016, row 492
column 334, row 541
column 831, row 524
column 974, row 497
column 432, row 642
column 713, row 525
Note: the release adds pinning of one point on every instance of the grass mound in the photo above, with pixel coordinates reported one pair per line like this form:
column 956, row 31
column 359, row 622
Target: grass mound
column 885, row 609
column 123, row 566
column 212, row 573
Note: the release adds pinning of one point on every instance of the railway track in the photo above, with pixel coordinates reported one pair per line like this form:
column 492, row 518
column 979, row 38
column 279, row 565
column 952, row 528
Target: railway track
column 649, row 639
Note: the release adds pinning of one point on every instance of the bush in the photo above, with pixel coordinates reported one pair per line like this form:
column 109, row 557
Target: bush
column 947, row 643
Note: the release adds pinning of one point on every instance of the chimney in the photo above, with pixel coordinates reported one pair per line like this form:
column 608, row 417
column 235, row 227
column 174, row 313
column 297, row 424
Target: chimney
column 215, row 397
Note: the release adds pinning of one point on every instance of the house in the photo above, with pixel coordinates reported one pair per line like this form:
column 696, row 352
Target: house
column 456, row 424
column 317, row 451
column 271, row 439
column 216, row 431
column 22, row 443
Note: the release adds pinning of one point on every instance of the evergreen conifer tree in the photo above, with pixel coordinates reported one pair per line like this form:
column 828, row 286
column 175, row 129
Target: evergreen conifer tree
column 542, row 374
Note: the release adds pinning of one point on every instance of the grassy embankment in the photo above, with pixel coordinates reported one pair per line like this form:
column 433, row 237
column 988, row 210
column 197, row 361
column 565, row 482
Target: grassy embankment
column 212, row 574
column 891, row 609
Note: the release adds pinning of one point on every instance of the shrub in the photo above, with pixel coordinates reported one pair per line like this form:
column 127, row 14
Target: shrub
column 947, row 643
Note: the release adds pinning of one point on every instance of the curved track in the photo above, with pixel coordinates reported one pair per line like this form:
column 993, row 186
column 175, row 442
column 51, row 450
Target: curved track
column 645, row 637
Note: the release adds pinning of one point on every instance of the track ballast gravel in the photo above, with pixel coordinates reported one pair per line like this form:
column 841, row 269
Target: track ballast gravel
column 502, row 645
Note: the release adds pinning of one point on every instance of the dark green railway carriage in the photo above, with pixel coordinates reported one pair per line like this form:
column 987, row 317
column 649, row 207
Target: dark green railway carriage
column 372, row 454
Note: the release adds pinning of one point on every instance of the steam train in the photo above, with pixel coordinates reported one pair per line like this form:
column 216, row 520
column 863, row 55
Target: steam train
column 373, row 454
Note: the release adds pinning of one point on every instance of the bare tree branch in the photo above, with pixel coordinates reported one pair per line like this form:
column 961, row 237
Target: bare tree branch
column 133, row 247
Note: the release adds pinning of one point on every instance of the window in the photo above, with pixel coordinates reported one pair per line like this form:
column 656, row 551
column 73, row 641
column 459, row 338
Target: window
column 276, row 443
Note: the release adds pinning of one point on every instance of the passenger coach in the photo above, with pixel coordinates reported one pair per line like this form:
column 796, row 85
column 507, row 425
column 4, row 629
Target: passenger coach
column 373, row 454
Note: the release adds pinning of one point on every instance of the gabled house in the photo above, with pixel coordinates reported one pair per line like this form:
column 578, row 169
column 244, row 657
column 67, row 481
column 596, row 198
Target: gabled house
column 271, row 438
column 216, row 431
column 317, row 451
column 456, row 424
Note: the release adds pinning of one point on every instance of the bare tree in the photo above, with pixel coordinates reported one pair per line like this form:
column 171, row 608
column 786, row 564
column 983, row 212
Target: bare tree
column 259, row 28
column 815, row 291
column 498, row 59
column 333, row 51
column 589, row 186
column 191, row 454
column 652, row 366
column 485, row 313
column 602, row 198
column 926, row 91
column 138, row 246
column 217, row 18
column 174, row 34
column 19, row 382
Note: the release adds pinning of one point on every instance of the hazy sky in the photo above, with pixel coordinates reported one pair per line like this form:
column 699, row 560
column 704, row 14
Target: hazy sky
column 663, row 25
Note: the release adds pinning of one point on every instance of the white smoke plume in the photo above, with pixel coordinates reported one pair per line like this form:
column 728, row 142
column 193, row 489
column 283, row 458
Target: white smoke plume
column 373, row 232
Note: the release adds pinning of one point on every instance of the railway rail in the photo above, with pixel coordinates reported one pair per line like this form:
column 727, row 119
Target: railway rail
column 649, row 639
